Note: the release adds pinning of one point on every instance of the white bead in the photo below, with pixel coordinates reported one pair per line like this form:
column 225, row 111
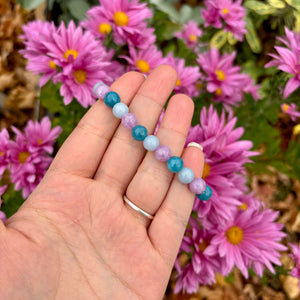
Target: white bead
column 119, row 110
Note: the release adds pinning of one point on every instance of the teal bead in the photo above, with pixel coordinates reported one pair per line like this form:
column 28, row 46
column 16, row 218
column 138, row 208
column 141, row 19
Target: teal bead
column 111, row 98
column 206, row 195
column 151, row 142
column 175, row 164
column 139, row 132
column 186, row 175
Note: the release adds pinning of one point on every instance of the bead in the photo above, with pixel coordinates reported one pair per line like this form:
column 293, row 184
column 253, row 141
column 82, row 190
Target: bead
column 139, row 132
column 151, row 142
column 206, row 194
column 119, row 110
column 129, row 120
column 186, row 175
column 111, row 98
column 100, row 90
column 175, row 164
column 197, row 186
column 162, row 153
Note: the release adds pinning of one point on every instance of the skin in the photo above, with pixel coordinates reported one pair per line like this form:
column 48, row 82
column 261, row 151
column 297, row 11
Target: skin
column 74, row 237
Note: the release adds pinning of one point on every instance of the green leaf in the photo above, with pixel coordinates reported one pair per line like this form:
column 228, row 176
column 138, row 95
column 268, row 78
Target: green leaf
column 252, row 37
column 277, row 3
column 219, row 39
column 294, row 3
column 260, row 7
column 167, row 8
column 30, row 4
column 78, row 8
column 12, row 200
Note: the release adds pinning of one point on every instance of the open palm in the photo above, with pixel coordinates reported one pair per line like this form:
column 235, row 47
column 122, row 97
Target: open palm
column 74, row 238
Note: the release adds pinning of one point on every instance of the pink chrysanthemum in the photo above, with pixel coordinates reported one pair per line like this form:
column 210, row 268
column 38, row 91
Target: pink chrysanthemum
column 296, row 257
column 144, row 60
column 250, row 239
column 188, row 76
column 4, row 159
column 190, row 34
column 224, row 79
column 290, row 109
column 231, row 13
column 123, row 17
column 288, row 60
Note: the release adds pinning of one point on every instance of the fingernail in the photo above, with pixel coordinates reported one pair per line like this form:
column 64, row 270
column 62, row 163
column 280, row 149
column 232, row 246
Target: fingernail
column 194, row 144
column 145, row 75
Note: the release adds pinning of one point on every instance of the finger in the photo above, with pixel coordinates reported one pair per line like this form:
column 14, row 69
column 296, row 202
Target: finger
column 150, row 185
column 124, row 154
column 168, row 226
column 84, row 148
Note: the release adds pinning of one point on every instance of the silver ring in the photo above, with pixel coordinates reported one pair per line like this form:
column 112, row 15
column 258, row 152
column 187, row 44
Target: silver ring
column 136, row 208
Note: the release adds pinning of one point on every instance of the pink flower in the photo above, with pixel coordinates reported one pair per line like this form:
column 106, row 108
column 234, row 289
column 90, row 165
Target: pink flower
column 4, row 159
column 227, row 11
column 296, row 257
column 224, row 79
column 288, row 60
column 188, row 76
column 123, row 17
column 251, row 238
column 290, row 110
column 190, row 34
column 144, row 60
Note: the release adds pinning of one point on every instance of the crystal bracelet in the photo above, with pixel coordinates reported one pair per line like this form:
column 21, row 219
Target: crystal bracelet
column 151, row 142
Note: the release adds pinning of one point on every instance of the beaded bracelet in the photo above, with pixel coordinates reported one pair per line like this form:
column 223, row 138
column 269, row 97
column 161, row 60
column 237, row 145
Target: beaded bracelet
column 151, row 142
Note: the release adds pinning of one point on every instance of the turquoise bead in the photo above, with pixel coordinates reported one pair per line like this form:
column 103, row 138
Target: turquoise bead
column 119, row 110
column 175, row 164
column 186, row 175
column 151, row 142
column 139, row 132
column 206, row 195
column 111, row 98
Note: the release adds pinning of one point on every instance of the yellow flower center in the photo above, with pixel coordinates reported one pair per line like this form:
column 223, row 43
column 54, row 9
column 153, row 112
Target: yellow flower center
column 143, row 66
column 219, row 91
column 225, row 11
column 40, row 141
column 192, row 38
column 220, row 75
column 52, row 65
column 178, row 82
column 104, row 28
column 120, row 18
column 234, row 235
column 72, row 52
column 80, row 76
column 203, row 245
column 296, row 129
column 206, row 170
column 243, row 206
column 2, row 153
column 285, row 107
column 22, row 157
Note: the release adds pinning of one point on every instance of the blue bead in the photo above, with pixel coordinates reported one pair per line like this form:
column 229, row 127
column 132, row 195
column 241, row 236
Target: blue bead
column 111, row 98
column 186, row 175
column 119, row 110
column 175, row 164
column 206, row 194
column 151, row 142
column 139, row 132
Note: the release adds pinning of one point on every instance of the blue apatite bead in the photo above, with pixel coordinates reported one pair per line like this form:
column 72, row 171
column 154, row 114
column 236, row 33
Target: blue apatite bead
column 111, row 98
column 119, row 110
column 139, row 132
column 186, row 175
column 206, row 195
column 151, row 142
column 175, row 164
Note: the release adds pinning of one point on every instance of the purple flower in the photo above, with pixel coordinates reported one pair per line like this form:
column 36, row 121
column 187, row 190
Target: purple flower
column 4, row 159
column 290, row 110
column 288, row 60
column 231, row 13
column 190, row 34
column 296, row 257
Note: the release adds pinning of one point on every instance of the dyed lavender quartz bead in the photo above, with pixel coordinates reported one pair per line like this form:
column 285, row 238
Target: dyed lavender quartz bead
column 129, row 120
column 100, row 90
column 162, row 153
column 197, row 186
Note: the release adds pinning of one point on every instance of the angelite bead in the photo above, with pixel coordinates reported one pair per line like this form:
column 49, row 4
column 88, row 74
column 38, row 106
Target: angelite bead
column 162, row 153
column 119, row 110
column 129, row 120
column 100, row 90
column 111, row 98
column 186, row 175
column 151, row 142
column 206, row 194
column 175, row 164
column 197, row 186
column 139, row 132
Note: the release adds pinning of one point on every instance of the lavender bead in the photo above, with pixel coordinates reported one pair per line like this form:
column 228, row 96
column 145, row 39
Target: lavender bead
column 100, row 90
column 197, row 186
column 129, row 120
column 162, row 153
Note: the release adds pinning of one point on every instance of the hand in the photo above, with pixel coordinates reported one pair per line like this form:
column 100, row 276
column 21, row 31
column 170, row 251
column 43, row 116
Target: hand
column 74, row 237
